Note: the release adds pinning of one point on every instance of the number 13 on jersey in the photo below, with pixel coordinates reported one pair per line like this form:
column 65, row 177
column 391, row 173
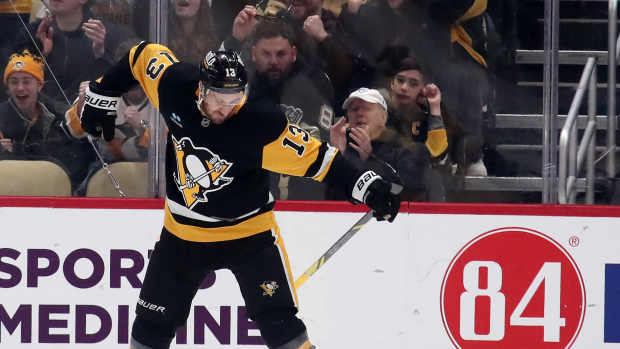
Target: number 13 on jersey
column 513, row 288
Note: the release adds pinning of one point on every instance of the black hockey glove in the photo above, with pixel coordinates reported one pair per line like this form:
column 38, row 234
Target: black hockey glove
column 99, row 111
column 381, row 196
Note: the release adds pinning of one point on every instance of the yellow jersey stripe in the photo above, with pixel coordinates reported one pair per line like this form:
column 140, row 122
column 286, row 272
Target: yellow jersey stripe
column 287, row 265
column 72, row 120
column 292, row 153
column 252, row 226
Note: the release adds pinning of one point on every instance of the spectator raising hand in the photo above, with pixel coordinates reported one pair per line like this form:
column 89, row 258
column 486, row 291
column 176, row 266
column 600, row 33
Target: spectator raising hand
column 338, row 134
column 45, row 33
column 244, row 23
column 95, row 31
column 313, row 26
column 433, row 96
column 76, row 46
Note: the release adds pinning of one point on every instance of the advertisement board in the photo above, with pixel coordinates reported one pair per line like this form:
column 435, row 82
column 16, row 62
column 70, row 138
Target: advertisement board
column 440, row 276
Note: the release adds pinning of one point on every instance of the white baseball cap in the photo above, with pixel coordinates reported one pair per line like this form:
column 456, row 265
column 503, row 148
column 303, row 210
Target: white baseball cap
column 367, row 94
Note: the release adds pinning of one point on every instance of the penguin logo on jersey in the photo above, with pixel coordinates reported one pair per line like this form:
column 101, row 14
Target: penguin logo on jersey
column 292, row 113
column 269, row 288
column 199, row 171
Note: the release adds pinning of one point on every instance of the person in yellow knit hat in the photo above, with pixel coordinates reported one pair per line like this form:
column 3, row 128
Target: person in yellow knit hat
column 29, row 127
column 25, row 122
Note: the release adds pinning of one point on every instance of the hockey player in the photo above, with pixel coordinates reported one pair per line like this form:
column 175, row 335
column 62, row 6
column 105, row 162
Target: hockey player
column 218, row 212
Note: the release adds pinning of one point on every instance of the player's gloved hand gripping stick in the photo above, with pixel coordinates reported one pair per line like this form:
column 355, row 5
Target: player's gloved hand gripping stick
column 99, row 111
column 384, row 200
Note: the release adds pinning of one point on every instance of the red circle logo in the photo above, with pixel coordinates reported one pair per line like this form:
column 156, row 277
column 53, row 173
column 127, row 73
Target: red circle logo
column 513, row 288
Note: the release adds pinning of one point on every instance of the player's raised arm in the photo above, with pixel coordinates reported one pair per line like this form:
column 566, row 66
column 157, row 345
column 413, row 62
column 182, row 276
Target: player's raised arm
column 297, row 153
column 145, row 64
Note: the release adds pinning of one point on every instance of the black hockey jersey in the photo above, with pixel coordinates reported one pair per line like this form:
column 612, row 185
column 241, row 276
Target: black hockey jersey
column 216, row 178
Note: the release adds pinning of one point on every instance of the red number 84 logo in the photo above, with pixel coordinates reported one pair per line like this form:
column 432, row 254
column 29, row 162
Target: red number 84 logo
column 513, row 288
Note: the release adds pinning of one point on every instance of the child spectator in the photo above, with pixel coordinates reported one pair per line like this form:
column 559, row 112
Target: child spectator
column 30, row 129
column 417, row 112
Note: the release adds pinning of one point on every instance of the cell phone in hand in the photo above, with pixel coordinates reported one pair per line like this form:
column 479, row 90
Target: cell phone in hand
column 349, row 139
column 425, row 106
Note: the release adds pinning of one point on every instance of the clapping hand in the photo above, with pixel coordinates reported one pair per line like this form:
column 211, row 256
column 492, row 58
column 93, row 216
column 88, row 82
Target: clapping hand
column 45, row 33
column 96, row 32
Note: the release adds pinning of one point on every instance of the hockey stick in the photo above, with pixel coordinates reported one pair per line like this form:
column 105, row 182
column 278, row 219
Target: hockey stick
column 396, row 189
column 332, row 250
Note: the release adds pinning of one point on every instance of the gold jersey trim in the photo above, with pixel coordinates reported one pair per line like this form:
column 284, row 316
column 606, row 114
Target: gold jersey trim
column 437, row 142
column 287, row 264
column 252, row 226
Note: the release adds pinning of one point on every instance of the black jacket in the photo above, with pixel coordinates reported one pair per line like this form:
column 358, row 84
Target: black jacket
column 46, row 139
column 38, row 139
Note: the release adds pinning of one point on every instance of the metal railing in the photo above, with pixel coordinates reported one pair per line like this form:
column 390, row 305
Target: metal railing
column 613, row 43
column 571, row 158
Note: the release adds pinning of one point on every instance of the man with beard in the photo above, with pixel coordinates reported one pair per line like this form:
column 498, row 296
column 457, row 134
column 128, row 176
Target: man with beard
column 320, row 38
column 303, row 92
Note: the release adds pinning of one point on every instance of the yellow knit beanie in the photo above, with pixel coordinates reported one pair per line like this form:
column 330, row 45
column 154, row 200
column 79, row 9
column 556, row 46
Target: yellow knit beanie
column 24, row 62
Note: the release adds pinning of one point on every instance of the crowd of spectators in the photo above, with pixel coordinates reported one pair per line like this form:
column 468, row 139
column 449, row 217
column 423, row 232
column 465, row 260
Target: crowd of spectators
column 403, row 85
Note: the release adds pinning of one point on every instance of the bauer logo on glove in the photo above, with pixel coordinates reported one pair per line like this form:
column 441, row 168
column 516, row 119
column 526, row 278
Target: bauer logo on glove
column 101, row 102
column 99, row 112
column 381, row 196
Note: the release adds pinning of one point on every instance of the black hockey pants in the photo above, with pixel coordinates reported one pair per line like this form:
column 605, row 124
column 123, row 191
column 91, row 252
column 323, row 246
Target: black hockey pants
column 177, row 268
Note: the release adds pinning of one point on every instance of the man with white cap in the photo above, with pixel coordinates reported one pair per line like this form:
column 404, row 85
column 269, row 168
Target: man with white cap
column 363, row 136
